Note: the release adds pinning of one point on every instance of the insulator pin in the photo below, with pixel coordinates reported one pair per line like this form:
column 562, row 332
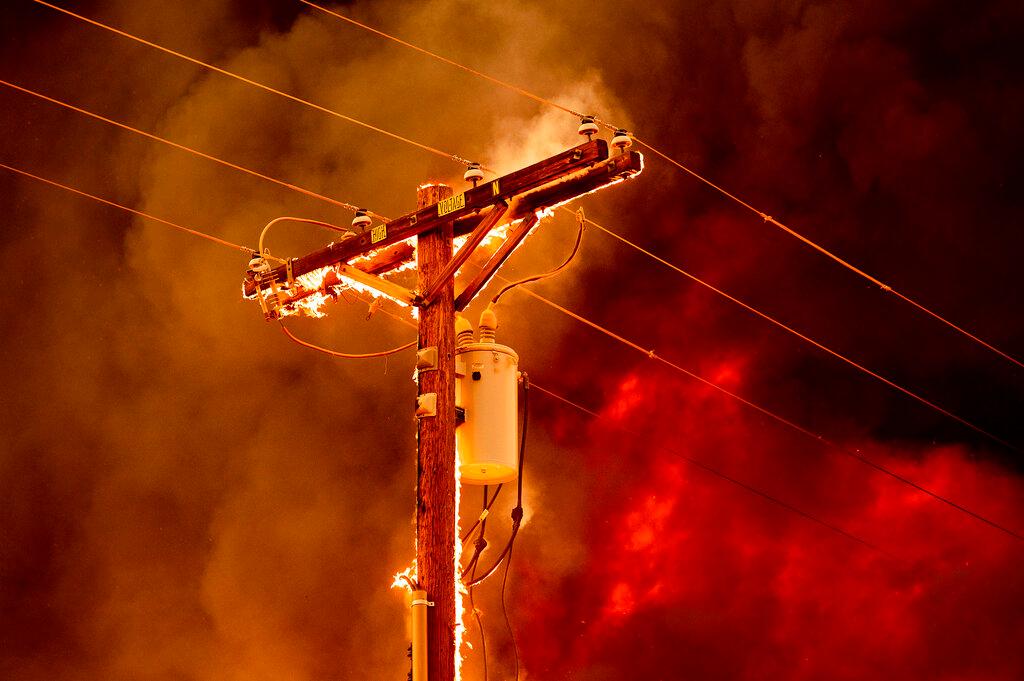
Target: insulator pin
column 588, row 127
column 473, row 173
column 361, row 221
column 621, row 140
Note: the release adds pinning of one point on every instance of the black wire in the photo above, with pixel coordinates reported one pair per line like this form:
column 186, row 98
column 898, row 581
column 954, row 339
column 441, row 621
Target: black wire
column 504, row 612
column 537, row 277
column 472, row 603
column 487, row 507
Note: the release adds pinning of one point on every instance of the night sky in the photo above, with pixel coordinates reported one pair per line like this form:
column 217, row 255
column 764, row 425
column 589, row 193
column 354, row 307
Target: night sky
column 188, row 495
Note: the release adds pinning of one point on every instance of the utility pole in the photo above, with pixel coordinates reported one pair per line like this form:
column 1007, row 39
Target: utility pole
column 435, row 464
column 517, row 200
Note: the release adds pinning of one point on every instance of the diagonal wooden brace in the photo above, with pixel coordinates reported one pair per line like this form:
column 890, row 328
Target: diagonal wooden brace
column 490, row 221
column 516, row 234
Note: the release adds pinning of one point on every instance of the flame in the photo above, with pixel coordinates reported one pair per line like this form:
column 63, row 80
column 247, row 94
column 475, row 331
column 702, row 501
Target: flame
column 406, row 578
column 309, row 293
column 460, row 588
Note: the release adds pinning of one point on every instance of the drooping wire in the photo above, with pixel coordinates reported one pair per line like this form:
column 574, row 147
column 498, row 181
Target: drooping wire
column 581, row 218
column 504, row 612
column 472, row 602
column 168, row 223
column 254, row 83
column 190, row 150
column 345, row 355
column 657, row 152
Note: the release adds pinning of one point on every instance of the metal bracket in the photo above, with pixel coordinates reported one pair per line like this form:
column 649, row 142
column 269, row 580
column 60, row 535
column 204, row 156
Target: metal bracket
column 426, row 359
column 421, row 601
column 426, row 405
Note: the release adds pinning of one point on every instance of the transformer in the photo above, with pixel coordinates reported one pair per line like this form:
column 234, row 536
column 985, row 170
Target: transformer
column 486, row 389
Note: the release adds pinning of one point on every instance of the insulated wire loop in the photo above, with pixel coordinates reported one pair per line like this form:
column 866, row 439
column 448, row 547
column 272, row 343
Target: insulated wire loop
column 654, row 150
column 307, row 221
column 186, row 230
column 258, row 84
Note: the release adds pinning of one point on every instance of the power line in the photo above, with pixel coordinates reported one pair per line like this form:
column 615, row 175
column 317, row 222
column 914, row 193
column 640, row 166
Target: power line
column 806, row 338
column 254, row 83
column 604, row 229
column 773, row 415
column 696, row 462
column 190, row 150
column 650, row 353
column 187, row 230
column 657, row 152
column 826, row 252
column 720, row 474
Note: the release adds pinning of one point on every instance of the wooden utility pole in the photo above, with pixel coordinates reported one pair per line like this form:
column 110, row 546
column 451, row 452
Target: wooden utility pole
column 435, row 466
column 516, row 199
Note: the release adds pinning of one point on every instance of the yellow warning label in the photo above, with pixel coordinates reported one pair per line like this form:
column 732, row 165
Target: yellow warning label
column 451, row 204
column 378, row 233
column 495, row 189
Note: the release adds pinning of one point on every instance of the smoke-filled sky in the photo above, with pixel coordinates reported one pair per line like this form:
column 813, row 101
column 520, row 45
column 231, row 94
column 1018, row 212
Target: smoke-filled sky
column 189, row 496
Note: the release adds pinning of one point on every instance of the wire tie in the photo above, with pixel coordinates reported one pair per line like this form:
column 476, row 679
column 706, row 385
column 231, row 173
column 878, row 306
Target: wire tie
column 650, row 354
column 484, row 514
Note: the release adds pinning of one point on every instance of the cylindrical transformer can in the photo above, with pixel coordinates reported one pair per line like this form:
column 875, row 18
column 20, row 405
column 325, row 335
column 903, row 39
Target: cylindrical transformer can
column 486, row 378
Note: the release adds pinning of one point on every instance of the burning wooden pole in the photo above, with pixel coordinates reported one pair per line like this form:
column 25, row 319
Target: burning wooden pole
column 435, row 466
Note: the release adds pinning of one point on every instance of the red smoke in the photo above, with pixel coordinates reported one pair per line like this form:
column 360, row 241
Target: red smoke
column 690, row 576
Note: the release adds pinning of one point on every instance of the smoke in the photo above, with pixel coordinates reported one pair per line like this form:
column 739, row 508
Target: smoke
column 190, row 496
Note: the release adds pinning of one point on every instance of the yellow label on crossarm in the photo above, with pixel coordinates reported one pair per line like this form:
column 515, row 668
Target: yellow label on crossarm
column 495, row 189
column 378, row 233
column 451, row 204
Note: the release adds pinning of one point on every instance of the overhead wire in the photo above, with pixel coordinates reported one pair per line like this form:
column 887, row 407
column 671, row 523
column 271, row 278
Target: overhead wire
column 190, row 150
column 651, row 354
column 575, row 249
column 657, row 152
column 696, row 462
column 208, row 237
column 255, row 83
column 849, row 361
column 789, row 329
column 168, row 223
column 828, row 443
